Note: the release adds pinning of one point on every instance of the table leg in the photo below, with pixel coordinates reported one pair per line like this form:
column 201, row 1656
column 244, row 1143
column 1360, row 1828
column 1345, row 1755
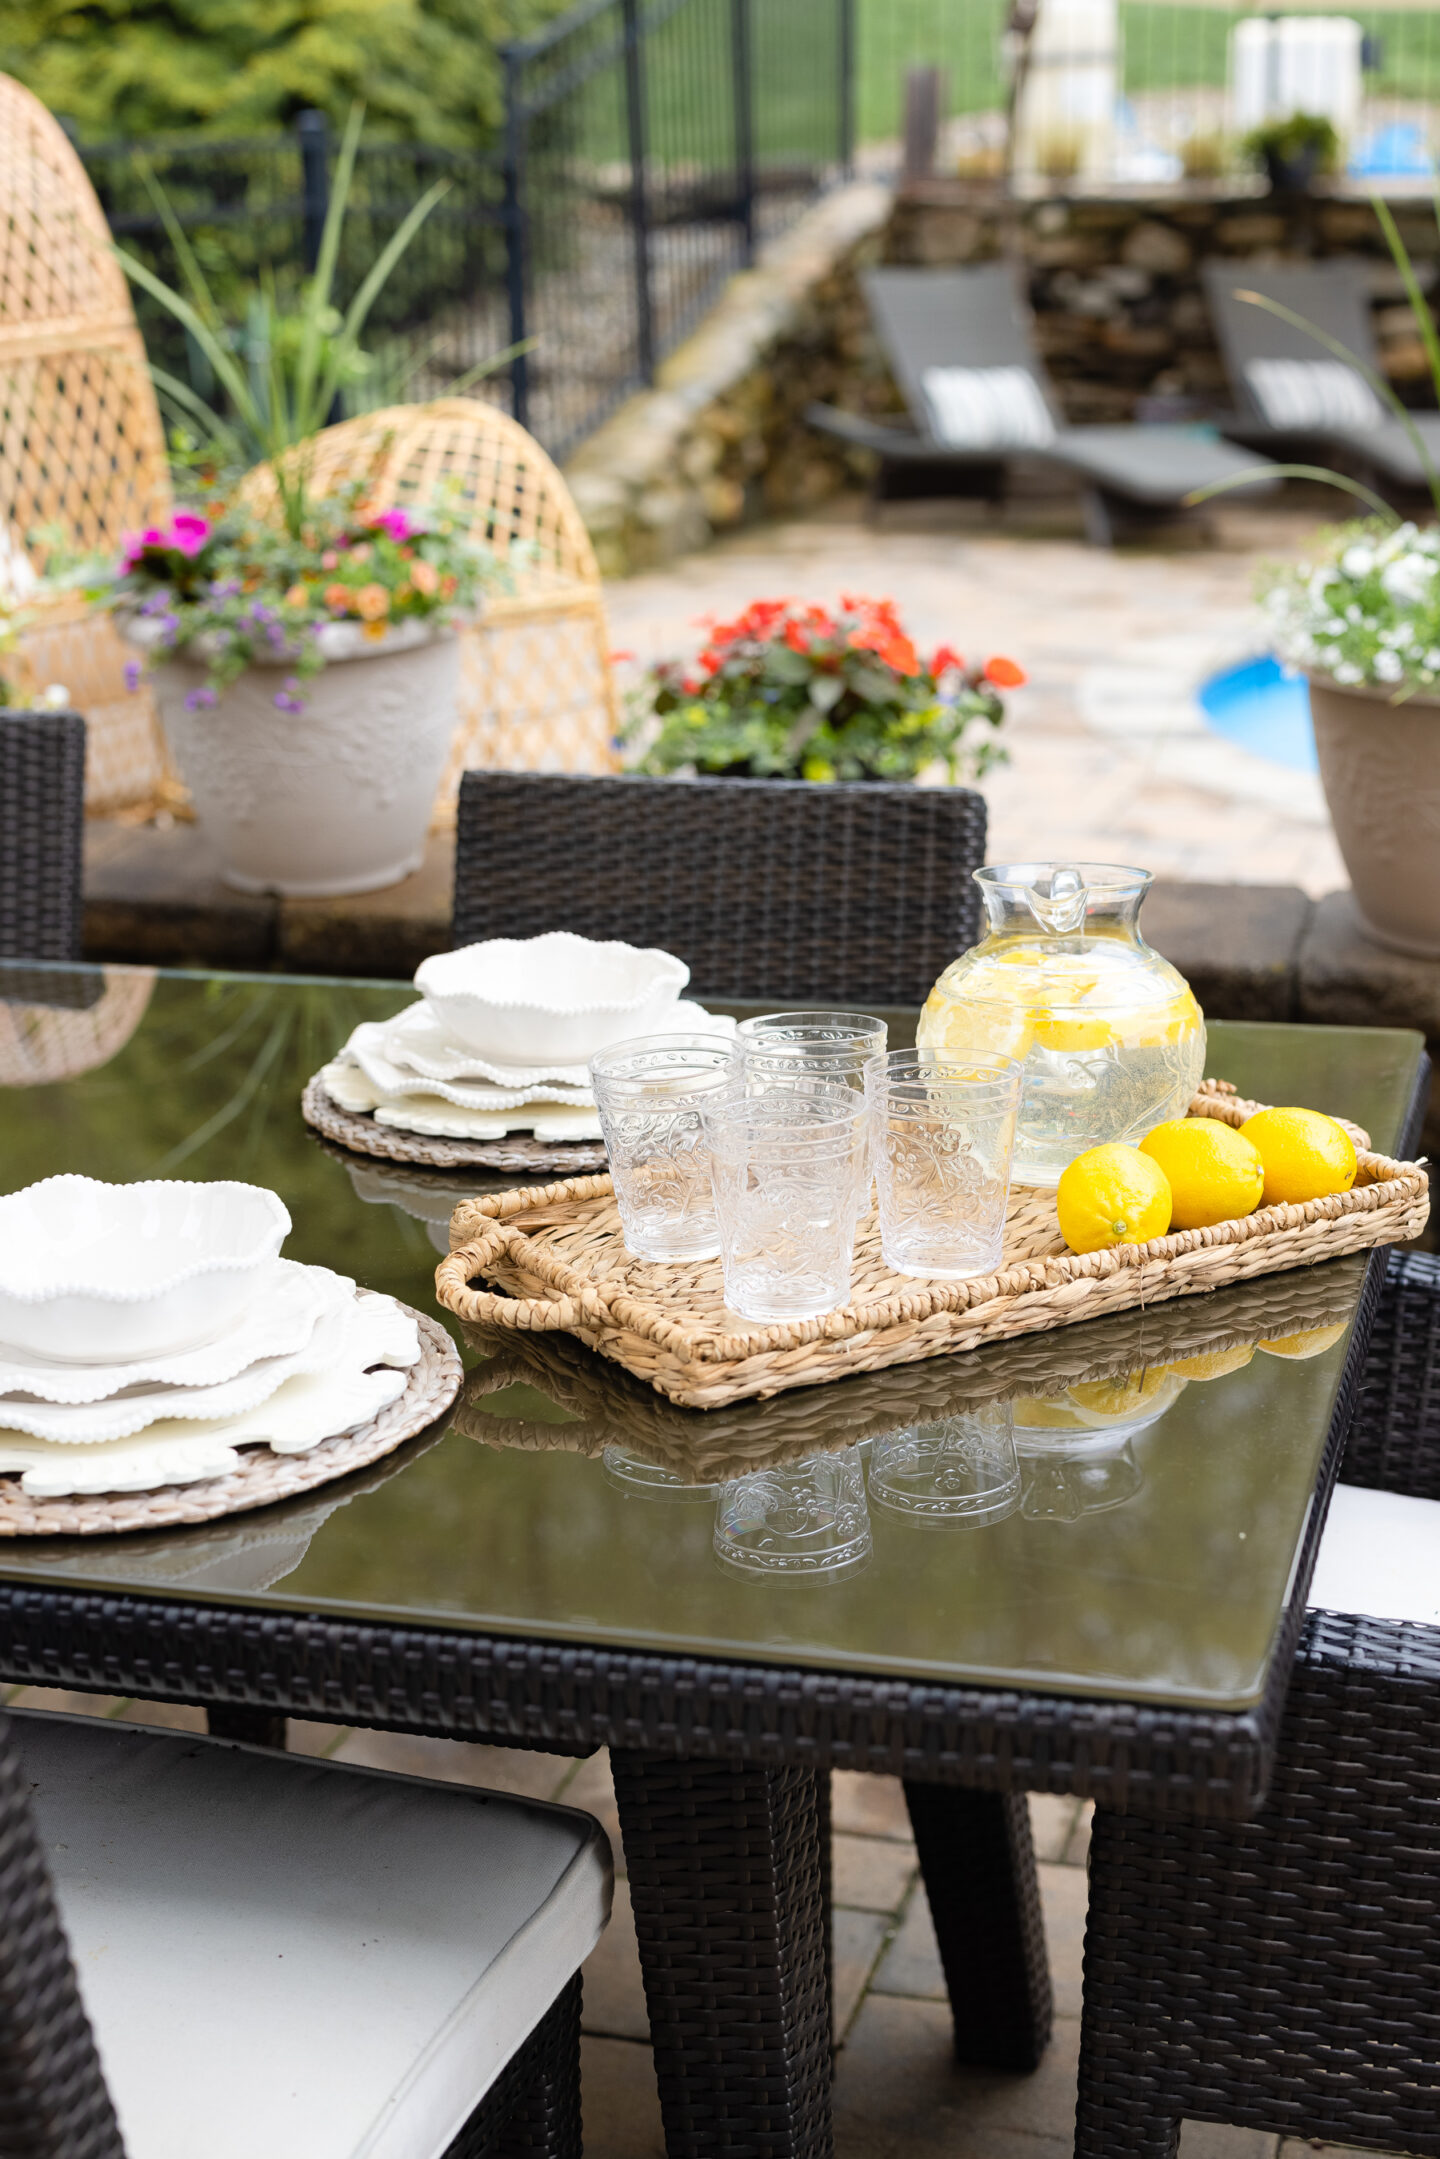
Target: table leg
column 724, row 1866
column 978, row 1864
column 241, row 1720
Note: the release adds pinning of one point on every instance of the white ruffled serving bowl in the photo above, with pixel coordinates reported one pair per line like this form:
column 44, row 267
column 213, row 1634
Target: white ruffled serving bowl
column 522, row 1001
column 94, row 1273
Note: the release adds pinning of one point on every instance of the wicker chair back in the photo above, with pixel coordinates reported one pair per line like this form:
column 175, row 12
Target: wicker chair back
column 777, row 889
column 42, row 813
column 538, row 692
column 84, row 450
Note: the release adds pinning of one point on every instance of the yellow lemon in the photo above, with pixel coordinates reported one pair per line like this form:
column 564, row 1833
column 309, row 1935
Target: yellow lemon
column 1214, row 1174
column 1073, row 1034
column 1112, row 1195
column 1306, row 1154
column 1311, row 1343
column 1156, row 1025
column 1003, row 1029
column 1215, row 1363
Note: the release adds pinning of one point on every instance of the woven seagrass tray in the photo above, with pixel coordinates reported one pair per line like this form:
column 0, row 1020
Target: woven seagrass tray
column 359, row 1133
column 432, row 1385
column 556, row 1254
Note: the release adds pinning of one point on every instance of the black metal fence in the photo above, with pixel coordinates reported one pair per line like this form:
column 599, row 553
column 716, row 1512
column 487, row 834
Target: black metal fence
column 649, row 146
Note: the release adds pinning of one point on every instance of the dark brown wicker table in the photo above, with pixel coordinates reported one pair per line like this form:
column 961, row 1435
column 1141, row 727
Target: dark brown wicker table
column 1127, row 1634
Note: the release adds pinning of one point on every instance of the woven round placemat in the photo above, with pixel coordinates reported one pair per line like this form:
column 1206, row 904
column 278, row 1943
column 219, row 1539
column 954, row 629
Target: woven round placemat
column 431, row 1387
column 359, row 1132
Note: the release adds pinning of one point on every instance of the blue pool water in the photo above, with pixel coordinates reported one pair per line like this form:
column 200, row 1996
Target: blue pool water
column 1264, row 710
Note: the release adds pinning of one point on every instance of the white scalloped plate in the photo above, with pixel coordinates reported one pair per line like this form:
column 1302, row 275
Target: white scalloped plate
column 307, row 1408
column 415, row 1042
column 281, row 1320
column 349, row 1330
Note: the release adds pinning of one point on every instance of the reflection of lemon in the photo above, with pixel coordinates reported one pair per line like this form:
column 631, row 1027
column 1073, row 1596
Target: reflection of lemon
column 1108, row 1402
column 1214, row 1174
column 1111, row 1195
column 1311, row 1343
column 1003, row 1029
column 1031, row 1413
column 1215, row 1363
column 1306, row 1154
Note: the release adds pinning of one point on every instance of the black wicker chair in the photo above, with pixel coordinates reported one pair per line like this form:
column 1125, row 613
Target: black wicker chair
column 775, row 889
column 271, row 1888
column 42, row 816
column 1284, row 1973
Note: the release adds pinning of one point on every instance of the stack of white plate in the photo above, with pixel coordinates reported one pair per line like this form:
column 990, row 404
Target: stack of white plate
column 149, row 1331
column 501, row 1038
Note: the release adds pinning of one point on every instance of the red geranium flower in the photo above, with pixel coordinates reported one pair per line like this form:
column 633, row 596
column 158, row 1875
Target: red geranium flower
column 1005, row 674
column 945, row 657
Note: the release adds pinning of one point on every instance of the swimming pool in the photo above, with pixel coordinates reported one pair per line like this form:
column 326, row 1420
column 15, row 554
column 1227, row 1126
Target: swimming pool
column 1264, row 710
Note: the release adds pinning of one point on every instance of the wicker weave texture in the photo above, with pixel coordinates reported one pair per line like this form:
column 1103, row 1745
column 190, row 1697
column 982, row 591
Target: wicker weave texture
column 1394, row 1442
column 81, row 444
column 1281, row 1974
column 725, row 1880
column 42, row 808
column 775, row 889
column 532, row 2110
column 559, row 1256
column 53, row 2101
column 537, row 689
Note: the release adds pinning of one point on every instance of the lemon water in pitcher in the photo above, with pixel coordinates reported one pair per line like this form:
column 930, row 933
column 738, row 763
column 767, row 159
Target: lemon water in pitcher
column 1109, row 1035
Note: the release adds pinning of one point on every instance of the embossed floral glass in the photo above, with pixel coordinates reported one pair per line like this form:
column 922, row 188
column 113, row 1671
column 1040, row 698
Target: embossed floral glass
column 943, row 1134
column 832, row 1045
column 640, row 1478
column 807, row 1518
column 650, row 1093
column 953, row 1473
column 786, row 1167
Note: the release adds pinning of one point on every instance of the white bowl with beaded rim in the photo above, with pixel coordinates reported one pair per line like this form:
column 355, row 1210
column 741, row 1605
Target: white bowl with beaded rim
column 94, row 1273
column 530, row 1000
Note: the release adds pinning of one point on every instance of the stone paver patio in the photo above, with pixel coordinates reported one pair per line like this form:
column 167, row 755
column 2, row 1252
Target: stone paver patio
column 897, row 2092
column 1110, row 759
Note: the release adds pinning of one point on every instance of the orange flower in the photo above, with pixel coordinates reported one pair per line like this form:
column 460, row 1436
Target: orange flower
column 372, row 603
column 425, row 578
column 1005, row 674
column 795, row 637
column 338, row 597
column 372, row 629
column 888, row 644
column 296, row 596
column 449, row 585
column 945, row 657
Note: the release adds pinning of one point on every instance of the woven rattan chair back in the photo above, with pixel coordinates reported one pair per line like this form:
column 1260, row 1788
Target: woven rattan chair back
column 42, row 810
column 538, row 692
column 777, row 889
column 82, row 450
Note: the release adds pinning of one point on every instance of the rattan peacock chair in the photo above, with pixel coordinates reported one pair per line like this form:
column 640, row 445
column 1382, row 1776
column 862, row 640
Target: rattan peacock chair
column 537, row 689
column 82, row 448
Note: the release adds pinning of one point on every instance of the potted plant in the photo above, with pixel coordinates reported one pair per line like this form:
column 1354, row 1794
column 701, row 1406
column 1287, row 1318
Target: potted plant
column 307, row 680
column 788, row 691
column 1294, row 151
column 303, row 649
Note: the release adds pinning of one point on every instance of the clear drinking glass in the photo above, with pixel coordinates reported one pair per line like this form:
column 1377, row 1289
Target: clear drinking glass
column 954, row 1473
column 807, row 1518
column 943, row 1134
column 786, row 1168
column 650, row 1093
column 832, row 1045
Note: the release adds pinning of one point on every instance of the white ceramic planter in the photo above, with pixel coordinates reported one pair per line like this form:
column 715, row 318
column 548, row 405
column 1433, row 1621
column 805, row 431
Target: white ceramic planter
column 1380, row 764
column 335, row 798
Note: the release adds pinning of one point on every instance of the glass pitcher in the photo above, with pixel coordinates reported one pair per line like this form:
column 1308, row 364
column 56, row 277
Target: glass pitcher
column 1110, row 1037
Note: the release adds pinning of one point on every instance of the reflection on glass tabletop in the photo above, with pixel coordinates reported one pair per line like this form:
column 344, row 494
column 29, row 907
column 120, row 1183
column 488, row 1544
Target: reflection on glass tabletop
column 1109, row 1509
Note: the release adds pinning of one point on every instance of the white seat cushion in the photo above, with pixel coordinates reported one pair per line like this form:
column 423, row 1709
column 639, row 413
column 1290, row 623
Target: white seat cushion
column 1380, row 1556
column 1313, row 393
column 987, row 408
column 288, row 1959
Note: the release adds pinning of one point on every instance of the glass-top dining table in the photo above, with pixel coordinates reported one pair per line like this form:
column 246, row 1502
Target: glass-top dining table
column 549, row 1565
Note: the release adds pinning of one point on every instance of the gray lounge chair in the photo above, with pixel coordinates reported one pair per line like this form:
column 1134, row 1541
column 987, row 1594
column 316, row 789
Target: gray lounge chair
column 959, row 344
column 1293, row 396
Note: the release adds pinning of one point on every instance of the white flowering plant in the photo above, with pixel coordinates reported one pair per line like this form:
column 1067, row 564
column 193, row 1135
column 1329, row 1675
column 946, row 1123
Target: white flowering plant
column 1367, row 612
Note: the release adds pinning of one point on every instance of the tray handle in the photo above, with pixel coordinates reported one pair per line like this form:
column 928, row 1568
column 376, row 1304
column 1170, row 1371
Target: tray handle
column 578, row 1302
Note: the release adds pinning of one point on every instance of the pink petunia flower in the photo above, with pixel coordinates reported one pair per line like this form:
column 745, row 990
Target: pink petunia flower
column 396, row 523
column 188, row 533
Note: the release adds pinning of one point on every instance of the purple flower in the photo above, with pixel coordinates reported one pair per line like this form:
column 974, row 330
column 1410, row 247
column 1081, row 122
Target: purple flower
column 156, row 604
column 284, row 702
column 259, row 612
column 225, row 588
column 169, row 624
column 132, row 674
column 200, row 700
column 275, row 632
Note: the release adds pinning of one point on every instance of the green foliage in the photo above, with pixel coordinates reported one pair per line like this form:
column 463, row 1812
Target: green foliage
column 791, row 692
column 1299, row 136
column 427, row 69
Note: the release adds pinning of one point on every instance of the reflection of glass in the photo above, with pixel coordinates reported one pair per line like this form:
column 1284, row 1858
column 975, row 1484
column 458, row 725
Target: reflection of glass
column 1092, row 1477
column 429, row 1199
column 956, row 1473
column 944, row 1129
column 787, row 1170
column 650, row 1093
column 1111, row 1039
column 803, row 1518
column 639, row 1477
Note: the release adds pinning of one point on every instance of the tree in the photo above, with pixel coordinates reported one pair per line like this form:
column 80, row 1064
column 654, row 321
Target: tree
column 426, row 70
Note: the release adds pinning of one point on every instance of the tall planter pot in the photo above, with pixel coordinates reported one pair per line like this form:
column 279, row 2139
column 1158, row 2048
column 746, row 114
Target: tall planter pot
column 334, row 798
column 1380, row 765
